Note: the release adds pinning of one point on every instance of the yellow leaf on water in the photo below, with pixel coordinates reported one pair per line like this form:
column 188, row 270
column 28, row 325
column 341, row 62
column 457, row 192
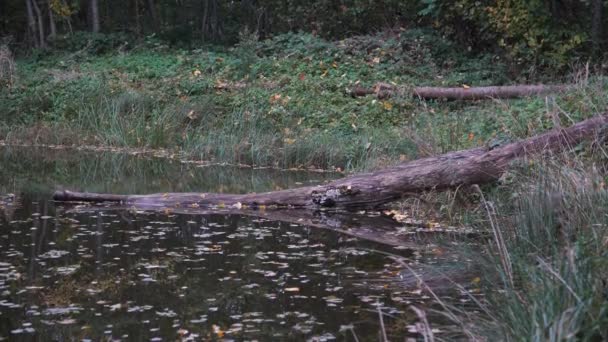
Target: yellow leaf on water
column 218, row 331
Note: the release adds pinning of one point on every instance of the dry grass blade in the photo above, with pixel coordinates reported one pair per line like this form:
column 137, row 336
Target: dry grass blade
column 503, row 252
column 423, row 326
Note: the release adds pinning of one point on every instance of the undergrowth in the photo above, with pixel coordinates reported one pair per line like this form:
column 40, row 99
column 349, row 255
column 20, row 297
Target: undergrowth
column 281, row 102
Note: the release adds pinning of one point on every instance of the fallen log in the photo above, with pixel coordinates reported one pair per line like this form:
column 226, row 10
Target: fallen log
column 371, row 190
column 385, row 90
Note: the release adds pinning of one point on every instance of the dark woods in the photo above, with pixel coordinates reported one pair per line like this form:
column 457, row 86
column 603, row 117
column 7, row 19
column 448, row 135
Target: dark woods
column 551, row 33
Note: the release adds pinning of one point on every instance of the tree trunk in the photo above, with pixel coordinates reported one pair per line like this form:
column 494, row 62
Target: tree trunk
column 94, row 8
column 31, row 23
column 40, row 20
column 597, row 7
column 385, row 90
column 153, row 16
column 52, row 25
column 137, row 16
column 211, row 26
column 371, row 190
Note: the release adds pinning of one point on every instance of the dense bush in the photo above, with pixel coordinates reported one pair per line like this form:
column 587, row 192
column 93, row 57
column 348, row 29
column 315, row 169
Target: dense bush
column 529, row 33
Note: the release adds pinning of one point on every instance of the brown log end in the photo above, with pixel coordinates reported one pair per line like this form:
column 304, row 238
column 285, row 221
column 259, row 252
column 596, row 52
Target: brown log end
column 70, row 196
column 62, row 195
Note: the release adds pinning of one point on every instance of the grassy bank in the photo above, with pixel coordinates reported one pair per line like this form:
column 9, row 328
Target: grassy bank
column 286, row 106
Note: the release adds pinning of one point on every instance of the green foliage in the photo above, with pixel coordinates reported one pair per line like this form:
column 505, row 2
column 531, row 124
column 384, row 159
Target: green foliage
column 94, row 43
column 531, row 34
column 245, row 53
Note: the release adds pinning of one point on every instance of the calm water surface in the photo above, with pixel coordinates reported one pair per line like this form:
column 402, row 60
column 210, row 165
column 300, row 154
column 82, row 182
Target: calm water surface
column 75, row 273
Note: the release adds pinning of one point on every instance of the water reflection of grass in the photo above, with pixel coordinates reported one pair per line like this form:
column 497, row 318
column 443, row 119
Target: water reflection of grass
column 44, row 170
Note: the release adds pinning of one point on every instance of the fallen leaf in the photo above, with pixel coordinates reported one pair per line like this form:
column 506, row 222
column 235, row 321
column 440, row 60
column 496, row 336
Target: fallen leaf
column 218, row 331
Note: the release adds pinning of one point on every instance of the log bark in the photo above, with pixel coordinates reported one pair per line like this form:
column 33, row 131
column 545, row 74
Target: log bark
column 371, row 190
column 385, row 90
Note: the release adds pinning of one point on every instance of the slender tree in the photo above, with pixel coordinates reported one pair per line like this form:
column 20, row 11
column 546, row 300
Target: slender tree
column 212, row 26
column 40, row 20
column 52, row 26
column 153, row 15
column 94, row 11
column 31, row 23
column 597, row 7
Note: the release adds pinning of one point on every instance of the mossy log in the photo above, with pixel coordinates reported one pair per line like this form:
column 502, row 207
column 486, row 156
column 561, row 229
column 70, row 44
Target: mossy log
column 385, row 90
column 371, row 190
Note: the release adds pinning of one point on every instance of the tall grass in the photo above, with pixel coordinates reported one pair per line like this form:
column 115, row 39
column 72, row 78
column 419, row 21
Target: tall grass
column 556, row 234
column 126, row 119
column 238, row 136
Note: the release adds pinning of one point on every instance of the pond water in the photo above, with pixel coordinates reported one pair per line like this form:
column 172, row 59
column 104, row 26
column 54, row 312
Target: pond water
column 71, row 272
